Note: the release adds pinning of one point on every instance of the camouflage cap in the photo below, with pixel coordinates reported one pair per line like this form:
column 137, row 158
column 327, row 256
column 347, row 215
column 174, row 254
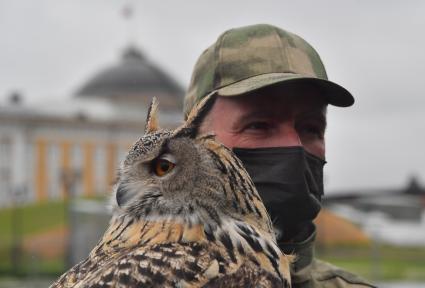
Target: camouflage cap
column 248, row 58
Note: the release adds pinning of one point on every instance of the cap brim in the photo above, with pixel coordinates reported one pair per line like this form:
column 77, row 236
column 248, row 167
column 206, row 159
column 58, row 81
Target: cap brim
column 334, row 94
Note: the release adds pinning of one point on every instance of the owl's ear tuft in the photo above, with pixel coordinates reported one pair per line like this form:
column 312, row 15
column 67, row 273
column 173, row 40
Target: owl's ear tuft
column 152, row 117
column 194, row 121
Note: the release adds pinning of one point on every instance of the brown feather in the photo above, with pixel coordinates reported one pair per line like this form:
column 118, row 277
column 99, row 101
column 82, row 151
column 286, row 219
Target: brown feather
column 193, row 123
column 152, row 124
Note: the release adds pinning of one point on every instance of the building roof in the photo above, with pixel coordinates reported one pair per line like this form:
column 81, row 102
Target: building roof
column 86, row 111
column 117, row 96
column 134, row 80
column 413, row 187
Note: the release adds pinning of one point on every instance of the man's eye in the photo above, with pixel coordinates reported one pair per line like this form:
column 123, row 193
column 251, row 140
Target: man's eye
column 257, row 126
column 312, row 130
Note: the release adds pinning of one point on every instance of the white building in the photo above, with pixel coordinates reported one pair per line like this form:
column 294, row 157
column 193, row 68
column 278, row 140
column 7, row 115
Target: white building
column 394, row 216
column 55, row 148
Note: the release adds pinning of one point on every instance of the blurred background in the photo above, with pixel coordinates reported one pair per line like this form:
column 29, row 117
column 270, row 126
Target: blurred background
column 76, row 78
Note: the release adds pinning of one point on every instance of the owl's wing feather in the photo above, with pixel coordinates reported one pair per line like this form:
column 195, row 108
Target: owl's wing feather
column 160, row 265
column 169, row 265
column 248, row 275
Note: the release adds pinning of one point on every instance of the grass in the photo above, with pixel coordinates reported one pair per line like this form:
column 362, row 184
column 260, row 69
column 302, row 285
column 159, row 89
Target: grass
column 379, row 263
column 18, row 223
column 32, row 218
column 30, row 266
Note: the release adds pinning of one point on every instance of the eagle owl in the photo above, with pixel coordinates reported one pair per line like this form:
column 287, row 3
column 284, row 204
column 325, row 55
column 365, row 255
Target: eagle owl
column 186, row 214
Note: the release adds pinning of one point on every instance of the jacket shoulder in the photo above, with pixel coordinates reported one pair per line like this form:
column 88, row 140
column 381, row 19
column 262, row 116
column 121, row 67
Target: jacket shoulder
column 330, row 276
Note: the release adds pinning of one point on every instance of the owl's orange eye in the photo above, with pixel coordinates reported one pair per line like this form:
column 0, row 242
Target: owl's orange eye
column 162, row 166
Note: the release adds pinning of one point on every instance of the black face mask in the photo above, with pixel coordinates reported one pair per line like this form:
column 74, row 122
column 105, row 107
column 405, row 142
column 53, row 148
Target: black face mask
column 290, row 182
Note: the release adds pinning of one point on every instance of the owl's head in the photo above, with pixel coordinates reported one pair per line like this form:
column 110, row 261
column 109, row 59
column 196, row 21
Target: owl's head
column 184, row 174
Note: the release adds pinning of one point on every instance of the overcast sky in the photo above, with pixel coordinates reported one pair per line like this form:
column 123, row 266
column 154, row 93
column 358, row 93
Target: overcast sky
column 376, row 49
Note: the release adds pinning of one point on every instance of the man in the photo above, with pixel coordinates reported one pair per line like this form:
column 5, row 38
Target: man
column 272, row 93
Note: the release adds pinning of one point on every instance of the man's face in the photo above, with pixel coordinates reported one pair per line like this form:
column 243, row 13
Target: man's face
column 271, row 118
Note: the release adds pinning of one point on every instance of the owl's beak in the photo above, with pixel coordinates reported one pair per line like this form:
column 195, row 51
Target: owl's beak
column 120, row 195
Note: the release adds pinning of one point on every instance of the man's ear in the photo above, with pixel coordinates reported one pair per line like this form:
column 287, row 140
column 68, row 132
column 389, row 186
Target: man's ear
column 152, row 117
column 191, row 127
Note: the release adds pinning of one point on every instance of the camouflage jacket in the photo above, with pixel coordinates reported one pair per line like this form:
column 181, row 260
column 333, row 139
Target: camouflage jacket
column 309, row 272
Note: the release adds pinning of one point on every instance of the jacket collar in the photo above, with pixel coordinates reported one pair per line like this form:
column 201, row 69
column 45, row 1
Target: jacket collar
column 304, row 255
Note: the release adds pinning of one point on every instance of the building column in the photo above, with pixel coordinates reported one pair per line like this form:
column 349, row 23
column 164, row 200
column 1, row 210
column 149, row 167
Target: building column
column 88, row 169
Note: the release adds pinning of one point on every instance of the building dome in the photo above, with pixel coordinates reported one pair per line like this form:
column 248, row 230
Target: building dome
column 134, row 80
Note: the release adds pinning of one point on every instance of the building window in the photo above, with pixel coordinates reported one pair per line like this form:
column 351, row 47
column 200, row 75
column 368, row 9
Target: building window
column 77, row 169
column 53, row 166
column 100, row 169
